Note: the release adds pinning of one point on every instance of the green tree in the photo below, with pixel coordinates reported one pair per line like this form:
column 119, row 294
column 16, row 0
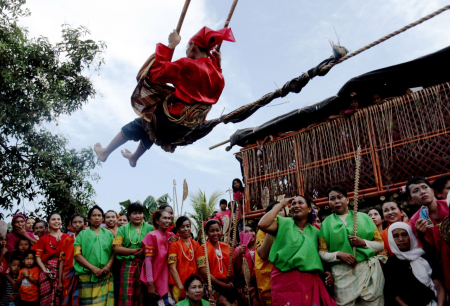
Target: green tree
column 150, row 205
column 203, row 206
column 39, row 82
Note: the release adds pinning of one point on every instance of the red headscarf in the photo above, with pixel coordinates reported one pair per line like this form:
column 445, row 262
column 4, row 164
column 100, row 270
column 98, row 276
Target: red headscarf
column 208, row 39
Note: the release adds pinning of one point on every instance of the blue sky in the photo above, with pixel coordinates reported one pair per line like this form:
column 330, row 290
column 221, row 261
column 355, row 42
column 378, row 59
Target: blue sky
column 275, row 41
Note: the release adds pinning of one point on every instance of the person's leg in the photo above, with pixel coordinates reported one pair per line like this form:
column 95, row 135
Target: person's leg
column 133, row 157
column 103, row 153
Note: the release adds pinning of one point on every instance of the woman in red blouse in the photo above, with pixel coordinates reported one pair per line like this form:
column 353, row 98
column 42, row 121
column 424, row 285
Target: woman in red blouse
column 48, row 250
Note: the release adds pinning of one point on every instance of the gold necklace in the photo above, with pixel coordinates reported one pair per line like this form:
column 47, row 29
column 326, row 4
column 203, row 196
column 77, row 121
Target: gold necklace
column 140, row 232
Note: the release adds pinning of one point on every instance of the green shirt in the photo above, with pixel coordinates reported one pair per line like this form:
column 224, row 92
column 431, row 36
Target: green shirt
column 293, row 249
column 334, row 235
column 185, row 302
column 123, row 238
column 97, row 249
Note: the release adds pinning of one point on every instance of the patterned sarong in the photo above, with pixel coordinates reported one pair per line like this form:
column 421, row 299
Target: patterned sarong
column 130, row 283
column 70, row 289
column 362, row 285
column 297, row 288
column 99, row 293
column 48, row 287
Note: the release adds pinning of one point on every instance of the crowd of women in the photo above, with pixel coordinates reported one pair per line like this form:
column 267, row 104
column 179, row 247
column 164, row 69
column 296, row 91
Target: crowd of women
column 290, row 258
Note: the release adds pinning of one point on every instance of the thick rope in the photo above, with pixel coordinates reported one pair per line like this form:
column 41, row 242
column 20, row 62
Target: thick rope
column 356, row 194
column 379, row 41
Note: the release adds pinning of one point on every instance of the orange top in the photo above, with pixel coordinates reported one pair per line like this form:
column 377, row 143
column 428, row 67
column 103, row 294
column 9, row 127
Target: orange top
column 67, row 253
column 384, row 235
column 29, row 292
column 185, row 258
column 218, row 263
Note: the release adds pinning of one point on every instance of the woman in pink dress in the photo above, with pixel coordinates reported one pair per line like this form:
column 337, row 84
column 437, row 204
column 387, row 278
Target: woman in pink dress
column 224, row 213
column 155, row 271
column 18, row 223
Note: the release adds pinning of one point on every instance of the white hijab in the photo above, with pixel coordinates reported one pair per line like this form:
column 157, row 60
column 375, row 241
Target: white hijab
column 420, row 267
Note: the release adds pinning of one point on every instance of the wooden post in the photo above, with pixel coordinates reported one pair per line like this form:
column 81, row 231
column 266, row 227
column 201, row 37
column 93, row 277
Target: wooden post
column 183, row 14
column 208, row 272
column 227, row 22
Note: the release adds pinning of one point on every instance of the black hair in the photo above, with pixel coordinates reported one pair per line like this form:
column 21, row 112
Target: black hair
column 241, row 188
column 164, row 206
column 390, row 201
column 111, row 211
column 123, row 213
column 223, row 201
column 378, row 210
column 156, row 216
column 134, row 207
column 272, row 204
column 337, row 188
column 439, row 184
column 181, row 220
column 92, row 210
column 209, row 223
column 51, row 214
column 78, row 215
column 39, row 221
column 215, row 212
column 415, row 180
column 16, row 255
column 189, row 281
column 251, row 226
column 231, row 295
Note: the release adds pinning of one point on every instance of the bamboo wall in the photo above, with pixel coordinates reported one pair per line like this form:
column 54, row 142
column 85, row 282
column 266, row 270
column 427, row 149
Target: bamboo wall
column 403, row 137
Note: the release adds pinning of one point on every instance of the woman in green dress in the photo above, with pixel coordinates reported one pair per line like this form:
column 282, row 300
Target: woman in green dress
column 194, row 292
column 127, row 245
column 94, row 257
column 358, row 280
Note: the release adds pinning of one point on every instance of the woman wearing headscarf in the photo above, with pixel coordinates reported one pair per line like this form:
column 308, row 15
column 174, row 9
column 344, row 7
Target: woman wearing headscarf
column 19, row 223
column 413, row 277
column 358, row 280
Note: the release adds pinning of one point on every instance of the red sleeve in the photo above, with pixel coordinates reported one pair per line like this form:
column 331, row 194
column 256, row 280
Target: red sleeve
column 40, row 246
column 10, row 242
column 163, row 70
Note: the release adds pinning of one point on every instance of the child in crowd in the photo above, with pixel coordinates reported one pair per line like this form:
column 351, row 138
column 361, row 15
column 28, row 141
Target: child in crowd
column 28, row 280
column 224, row 213
column 23, row 245
column 11, row 294
column 3, row 250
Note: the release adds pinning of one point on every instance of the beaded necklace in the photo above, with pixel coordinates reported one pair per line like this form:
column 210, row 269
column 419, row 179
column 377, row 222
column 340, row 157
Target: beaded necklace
column 191, row 250
column 140, row 232
column 57, row 241
column 219, row 256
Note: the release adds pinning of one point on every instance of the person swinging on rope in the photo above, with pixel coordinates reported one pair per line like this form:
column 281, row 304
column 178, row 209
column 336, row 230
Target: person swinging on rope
column 198, row 83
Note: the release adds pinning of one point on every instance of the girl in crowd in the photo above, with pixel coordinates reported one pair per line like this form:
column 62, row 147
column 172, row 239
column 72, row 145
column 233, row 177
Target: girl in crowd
column 94, row 257
column 39, row 230
column 315, row 211
column 169, row 209
column 224, row 213
column 111, row 222
column 412, row 276
column 23, row 245
column 68, row 281
column 29, row 225
column 155, row 271
column 48, row 250
column 123, row 219
column 441, row 187
column 263, row 267
column 127, row 246
column 218, row 256
column 238, row 190
column 247, row 252
column 357, row 280
column 194, row 292
column 392, row 214
column 12, row 286
column 295, row 278
column 28, row 280
column 18, row 223
column 182, row 258
column 377, row 219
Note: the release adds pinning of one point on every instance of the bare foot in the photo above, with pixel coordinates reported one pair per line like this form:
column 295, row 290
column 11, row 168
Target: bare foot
column 101, row 152
column 128, row 155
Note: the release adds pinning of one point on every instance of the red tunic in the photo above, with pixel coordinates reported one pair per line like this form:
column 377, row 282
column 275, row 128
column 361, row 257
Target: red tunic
column 194, row 80
column 47, row 252
column 67, row 253
column 433, row 236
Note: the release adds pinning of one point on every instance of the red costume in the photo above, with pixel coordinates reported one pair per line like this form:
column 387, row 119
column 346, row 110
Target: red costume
column 199, row 80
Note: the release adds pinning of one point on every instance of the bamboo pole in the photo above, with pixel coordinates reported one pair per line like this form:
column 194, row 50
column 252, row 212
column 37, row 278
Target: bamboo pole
column 227, row 22
column 183, row 14
column 355, row 195
column 208, row 272
column 231, row 220
column 233, row 242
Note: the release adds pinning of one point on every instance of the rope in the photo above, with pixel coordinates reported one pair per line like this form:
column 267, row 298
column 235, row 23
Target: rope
column 395, row 33
column 324, row 69
column 355, row 195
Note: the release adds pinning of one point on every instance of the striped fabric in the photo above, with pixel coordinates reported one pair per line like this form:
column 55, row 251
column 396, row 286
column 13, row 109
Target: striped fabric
column 70, row 289
column 130, row 286
column 99, row 293
column 49, row 295
column 9, row 292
